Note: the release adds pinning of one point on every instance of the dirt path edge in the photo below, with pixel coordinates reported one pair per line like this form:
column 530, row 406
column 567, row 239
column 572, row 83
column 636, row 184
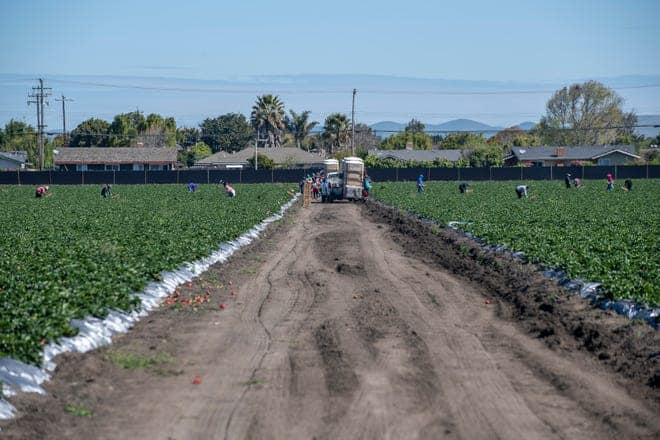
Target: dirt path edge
column 545, row 310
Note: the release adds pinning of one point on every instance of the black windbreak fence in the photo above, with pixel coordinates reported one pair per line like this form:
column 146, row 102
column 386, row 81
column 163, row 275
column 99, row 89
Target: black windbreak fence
column 295, row 175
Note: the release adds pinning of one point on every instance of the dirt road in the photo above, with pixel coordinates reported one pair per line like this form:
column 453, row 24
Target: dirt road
column 335, row 331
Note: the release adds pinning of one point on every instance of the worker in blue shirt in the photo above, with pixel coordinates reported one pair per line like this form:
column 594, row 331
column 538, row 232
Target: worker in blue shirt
column 420, row 183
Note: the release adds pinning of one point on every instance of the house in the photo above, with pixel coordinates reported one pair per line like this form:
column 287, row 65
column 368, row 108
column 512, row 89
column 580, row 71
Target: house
column 410, row 155
column 565, row 156
column 13, row 160
column 284, row 157
column 117, row 159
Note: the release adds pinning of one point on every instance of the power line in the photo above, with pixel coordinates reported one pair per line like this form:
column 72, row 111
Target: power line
column 333, row 91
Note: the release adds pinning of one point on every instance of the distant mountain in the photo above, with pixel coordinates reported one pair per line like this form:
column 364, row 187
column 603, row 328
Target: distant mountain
column 387, row 128
column 463, row 125
column 527, row 125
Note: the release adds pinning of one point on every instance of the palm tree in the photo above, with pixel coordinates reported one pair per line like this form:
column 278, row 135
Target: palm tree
column 298, row 126
column 336, row 131
column 268, row 119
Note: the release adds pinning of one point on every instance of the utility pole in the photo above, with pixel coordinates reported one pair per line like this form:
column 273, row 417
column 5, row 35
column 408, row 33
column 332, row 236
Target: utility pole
column 39, row 95
column 64, row 99
column 353, row 124
column 256, row 148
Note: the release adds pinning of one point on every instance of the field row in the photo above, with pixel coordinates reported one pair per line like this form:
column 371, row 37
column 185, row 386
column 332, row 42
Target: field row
column 609, row 237
column 75, row 254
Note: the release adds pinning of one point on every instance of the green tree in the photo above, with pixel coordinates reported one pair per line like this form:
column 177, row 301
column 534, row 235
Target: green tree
column 187, row 136
column 230, row 132
column 415, row 126
column 580, row 115
column 157, row 132
column 486, row 156
column 90, row 133
column 19, row 136
column 263, row 162
column 192, row 154
column 419, row 140
column 365, row 139
column 200, row 151
column 462, row 141
column 267, row 119
column 299, row 126
column 336, row 132
column 125, row 128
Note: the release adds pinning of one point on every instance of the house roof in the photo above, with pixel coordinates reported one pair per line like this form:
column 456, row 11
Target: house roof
column 570, row 153
column 96, row 155
column 418, row 155
column 19, row 157
column 279, row 155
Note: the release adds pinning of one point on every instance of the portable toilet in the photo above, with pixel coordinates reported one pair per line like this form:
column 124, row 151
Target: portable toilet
column 331, row 166
column 353, row 170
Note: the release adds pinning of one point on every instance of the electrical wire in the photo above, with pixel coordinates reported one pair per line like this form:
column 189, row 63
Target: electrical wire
column 329, row 91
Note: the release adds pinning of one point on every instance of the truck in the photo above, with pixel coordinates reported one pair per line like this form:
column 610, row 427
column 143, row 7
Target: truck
column 347, row 184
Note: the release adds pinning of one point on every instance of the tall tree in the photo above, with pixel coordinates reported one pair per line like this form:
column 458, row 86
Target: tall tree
column 157, row 132
column 90, row 133
column 192, row 154
column 514, row 137
column 19, row 136
column 581, row 114
column 299, row 126
column 125, row 129
column 268, row 120
column 462, row 141
column 415, row 126
column 399, row 141
column 187, row 136
column 365, row 139
column 336, row 131
column 230, row 132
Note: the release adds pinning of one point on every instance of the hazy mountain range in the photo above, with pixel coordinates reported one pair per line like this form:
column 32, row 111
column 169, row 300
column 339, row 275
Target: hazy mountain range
column 387, row 128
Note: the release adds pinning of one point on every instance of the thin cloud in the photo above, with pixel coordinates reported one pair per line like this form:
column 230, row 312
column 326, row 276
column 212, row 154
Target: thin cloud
column 162, row 67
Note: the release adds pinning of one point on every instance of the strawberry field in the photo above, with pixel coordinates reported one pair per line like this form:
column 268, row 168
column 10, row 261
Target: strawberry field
column 76, row 254
column 612, row 238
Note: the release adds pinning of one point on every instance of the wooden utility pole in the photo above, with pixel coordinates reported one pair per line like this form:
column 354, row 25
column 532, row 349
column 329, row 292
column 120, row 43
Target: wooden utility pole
column 353, row 124
column 64, row 99
column 39, row 95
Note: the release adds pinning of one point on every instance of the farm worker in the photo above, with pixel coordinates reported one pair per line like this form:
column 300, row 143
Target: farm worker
column 567, row 180
column 463, row 187
column 627, row 185
column 367, row 186
column 420, row 183
column 192, row 187
column 577, row 182
column 610, row 182
column 231, row 192
column 42, row 191
column 521, row 190
column 315, row 188
column 106, row 191
column 325, row 189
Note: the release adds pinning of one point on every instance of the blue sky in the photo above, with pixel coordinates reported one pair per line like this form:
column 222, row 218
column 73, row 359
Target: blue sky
column 477, row 40
column 286, row 47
